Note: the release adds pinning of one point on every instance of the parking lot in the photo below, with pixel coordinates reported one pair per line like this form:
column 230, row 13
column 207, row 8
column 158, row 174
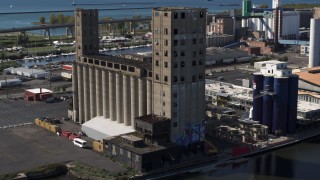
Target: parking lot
column 19, row 112
column 32, row 146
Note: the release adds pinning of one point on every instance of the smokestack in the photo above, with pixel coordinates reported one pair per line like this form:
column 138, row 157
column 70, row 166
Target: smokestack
column 276, row 29
column 275, row 4
column 314, row 52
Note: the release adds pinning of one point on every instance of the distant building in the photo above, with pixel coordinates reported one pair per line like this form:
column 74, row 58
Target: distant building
column 38, row 94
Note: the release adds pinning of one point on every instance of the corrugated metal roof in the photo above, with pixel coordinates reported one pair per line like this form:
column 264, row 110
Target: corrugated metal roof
column 313, row 78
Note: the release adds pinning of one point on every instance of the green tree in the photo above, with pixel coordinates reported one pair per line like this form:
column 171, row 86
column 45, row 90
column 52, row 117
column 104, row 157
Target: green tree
column 53, row 19
column 42, row 20
column 60, row 18
column 263, row 6
column 135, row 23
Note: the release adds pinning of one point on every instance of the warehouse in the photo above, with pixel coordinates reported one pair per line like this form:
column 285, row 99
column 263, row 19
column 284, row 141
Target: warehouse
column 38, row 94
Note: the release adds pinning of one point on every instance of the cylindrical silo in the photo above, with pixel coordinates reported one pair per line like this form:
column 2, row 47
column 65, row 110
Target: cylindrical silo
column 142, row 96
column 99, row 106
column 80, row 93
column 92, row 89
column 280, row 104
column 267, row 105
column 75, row 101
column 134, row 99
column 149, row 96
column 257, row 101
column 119, row 96
column 105, row 94
column 314, row 52
column 86, row 93
column 292, row 103
column 126, row 100
column 112, row 96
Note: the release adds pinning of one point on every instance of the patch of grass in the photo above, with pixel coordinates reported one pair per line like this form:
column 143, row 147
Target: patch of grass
column 102, row 173
column 7, row 176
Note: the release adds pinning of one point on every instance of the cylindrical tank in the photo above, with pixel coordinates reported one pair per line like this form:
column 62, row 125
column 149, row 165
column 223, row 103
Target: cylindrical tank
column 92, row 86
column 280, row 105
column 119, row 97
column 86, row 94
column 80, row 94
column 105, row 94
column 292, row 103
column 267, row 105
column 112, row 96
column 99, row 92
column 126, row 100
column 257, row 101
column 314, row 53
column 134, row 99
column 75, row 102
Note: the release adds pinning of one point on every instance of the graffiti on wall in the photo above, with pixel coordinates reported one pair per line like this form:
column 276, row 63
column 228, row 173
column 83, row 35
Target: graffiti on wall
column 194, row 132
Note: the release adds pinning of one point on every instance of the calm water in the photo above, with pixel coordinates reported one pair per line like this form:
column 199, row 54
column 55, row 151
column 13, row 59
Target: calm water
column 22, row 20
column 300, row 162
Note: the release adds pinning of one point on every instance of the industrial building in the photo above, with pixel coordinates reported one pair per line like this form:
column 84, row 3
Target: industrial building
column 274, row 103
column 38, row 94
column 229, row 95
column 22, row 71
column 157, row 101
column 288, row 22
column 216, row 56
column 309, row 79
column 109, row 88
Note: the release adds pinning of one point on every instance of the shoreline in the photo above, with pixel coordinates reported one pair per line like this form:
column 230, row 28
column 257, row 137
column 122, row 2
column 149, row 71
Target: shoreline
column 204, row 164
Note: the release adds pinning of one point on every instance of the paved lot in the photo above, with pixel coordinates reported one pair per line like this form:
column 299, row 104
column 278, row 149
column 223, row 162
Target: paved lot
column 233, row 77
column 31, row 146
column 15, row 112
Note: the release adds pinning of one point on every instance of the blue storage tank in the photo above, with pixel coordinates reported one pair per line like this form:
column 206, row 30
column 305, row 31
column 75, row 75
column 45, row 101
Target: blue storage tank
column 280, row 105
column 292, row 103
column 257, row 86
column 267, row 105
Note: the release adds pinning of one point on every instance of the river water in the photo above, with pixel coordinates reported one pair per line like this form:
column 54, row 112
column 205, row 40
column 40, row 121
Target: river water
column 23, row 20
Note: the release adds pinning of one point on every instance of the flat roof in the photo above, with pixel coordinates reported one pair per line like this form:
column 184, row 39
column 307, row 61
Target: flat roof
column 227, row 89
column 304, row 106
column 147, row 148
column 131, row 138
column 100, row 128
column 121, row 60
column 39, row 90
column 215, row 53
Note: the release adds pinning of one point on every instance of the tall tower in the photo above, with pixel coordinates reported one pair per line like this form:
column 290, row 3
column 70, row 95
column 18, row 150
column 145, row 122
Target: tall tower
column 86, row 29
column 178, row 70
column 275, row 4
column 246, row 11
column 314, row 52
